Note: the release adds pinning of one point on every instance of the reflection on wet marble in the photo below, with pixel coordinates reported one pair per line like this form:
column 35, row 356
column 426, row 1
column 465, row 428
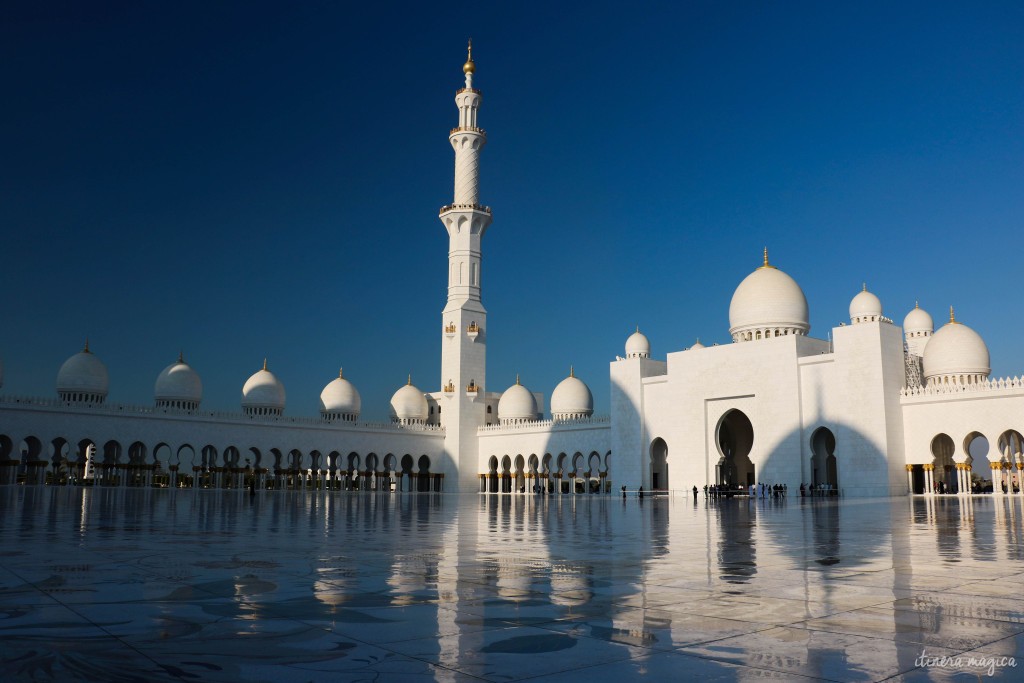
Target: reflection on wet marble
column 158, row 585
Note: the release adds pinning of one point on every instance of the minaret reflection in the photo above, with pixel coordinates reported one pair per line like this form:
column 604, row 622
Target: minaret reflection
column 826, row 533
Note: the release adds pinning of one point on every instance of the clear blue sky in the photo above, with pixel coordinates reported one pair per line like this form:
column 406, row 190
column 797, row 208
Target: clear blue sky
column 241, row 180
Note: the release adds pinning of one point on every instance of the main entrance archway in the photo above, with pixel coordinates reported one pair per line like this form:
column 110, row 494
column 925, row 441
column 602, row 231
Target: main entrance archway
column 659, row 465
column 735, row 439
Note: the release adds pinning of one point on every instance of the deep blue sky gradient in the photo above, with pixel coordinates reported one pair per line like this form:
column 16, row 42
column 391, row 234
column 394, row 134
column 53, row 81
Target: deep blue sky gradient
column 241, row 180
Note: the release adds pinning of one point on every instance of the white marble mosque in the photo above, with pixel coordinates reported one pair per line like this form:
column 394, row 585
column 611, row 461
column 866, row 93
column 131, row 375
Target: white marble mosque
column 263, row 546
column 871, row 410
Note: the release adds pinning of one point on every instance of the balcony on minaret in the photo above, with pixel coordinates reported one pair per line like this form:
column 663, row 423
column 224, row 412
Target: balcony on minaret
column 473, row 331
column 450, row 330
column 448, row 389
column 464, row 207
column 466, row 129
column 471, row 390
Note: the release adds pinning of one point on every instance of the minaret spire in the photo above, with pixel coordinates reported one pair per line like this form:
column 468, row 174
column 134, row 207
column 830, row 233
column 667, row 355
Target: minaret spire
column 469, row 68
column 465, row 218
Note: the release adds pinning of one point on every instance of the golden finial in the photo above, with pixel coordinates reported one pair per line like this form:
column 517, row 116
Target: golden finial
column 517, row 378
column 952, row 318
column 409, row 383
column 469, row 67
column 917, row 304
column 340, row 374
column 264, row 363
column 572, row 371
column 766, row 264
column 865, row 288
column 181, row 357
column 638, row 329
column 86, row 349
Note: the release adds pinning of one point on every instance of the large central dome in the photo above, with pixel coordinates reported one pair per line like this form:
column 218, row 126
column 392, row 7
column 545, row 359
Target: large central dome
column 768, row 303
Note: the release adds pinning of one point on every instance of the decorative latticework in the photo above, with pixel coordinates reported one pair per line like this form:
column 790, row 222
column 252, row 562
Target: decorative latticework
column 914, row 369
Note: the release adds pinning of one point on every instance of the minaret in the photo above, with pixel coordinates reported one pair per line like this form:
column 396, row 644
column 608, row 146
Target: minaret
column 464, row 320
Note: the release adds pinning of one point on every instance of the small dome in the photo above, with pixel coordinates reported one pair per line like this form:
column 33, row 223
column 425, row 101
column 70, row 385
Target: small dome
column 340, row 397
column 178, row 385
column 571, row 399
column 638, row 346
column 956, row 351
column 263, row 393
column 865, row 307
column 517, row 404
column 918, row 320
column 83, row 377
column 767, row 300
column 408, row 404
column 697, row 345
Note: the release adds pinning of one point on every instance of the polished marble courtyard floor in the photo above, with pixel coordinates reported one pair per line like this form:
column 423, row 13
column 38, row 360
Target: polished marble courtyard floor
column 163, row 585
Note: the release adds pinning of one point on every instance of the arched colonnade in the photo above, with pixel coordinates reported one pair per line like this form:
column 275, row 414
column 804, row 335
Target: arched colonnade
column 551, row 473
column 34, row 460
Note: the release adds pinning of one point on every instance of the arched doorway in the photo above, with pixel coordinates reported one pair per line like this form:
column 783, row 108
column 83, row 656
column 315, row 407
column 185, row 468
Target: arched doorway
column 659, row 465
column 1011, row 447
column 407, row 472
column 424, row 478
column 824, row 468
column 492, row 475
column 944, row 473
column 976, row 446
column 735, row 440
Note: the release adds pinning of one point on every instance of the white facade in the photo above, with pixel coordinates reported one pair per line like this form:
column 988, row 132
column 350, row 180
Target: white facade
column 874, row 411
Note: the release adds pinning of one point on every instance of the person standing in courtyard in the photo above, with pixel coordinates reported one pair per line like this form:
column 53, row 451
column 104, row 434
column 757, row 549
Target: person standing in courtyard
column 694, row 494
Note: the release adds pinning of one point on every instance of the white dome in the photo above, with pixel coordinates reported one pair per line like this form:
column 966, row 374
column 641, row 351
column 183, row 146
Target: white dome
column 517, row 403
column 83, row 377
column 956, row 350
column 767, row 300
column 918, row 320
column 408, row 404
column 638, row 346
column 340, row 396
column 865, row 307
column 697, row 345
column 178, row 383
column 263, row 391
column 571, row 398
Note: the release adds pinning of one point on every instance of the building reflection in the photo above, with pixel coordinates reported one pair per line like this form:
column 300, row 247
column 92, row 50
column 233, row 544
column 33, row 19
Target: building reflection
column 645, row 575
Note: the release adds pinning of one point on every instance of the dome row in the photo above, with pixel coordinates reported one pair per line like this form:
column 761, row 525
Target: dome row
column 571, row 400
column 769, row 303
column 83, row 378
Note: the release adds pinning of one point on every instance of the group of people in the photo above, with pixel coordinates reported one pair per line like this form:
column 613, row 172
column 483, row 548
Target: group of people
column 768, row 491
column 715, row 491
column 818, row 490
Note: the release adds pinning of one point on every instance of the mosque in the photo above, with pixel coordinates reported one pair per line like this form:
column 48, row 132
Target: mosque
column 874, row 410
